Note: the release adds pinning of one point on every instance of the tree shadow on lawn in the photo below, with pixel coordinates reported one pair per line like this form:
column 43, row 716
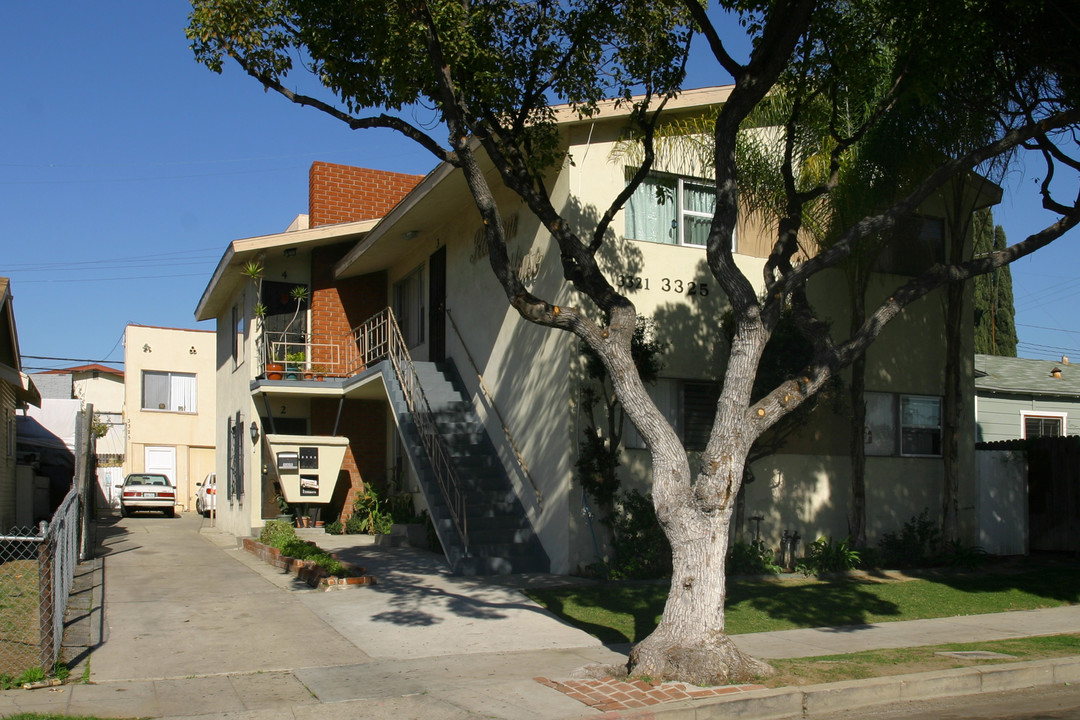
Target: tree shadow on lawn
column 843, row 604
column 1052, row 578
column 627, row 613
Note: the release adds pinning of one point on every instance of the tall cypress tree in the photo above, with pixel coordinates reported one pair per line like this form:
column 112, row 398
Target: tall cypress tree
column 995, row 322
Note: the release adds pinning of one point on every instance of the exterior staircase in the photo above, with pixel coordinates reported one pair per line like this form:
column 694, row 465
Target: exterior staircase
column 499, row 535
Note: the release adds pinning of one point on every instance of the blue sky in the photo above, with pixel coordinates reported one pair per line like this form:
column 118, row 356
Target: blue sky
column 127, row 168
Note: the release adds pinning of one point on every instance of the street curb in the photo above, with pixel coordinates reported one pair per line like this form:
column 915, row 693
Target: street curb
column 821, row 700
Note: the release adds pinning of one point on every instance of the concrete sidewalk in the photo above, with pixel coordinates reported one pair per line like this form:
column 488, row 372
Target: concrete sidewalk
column 190, row 626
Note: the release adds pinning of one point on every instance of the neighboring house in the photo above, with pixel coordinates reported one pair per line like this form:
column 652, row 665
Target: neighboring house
column 475, row 411
column 17, row 390
column 170, row 405
column 97, row 385
column 1021, row 398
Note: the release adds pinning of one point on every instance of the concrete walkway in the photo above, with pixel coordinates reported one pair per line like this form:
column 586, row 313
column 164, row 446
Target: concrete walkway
column 175, row 622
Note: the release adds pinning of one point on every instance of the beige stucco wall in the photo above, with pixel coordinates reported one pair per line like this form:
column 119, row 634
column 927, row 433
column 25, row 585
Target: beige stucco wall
column 7, row 456
column 191, row 434
column 106, row 391
column 242, row 513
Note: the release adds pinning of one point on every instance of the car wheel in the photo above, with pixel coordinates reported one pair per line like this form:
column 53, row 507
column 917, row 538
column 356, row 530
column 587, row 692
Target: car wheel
column 123, row 511
column 199, row 507
column 170, row 512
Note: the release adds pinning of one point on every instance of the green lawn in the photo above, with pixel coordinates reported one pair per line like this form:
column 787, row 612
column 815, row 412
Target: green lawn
column 898, row 661
column 619, row 612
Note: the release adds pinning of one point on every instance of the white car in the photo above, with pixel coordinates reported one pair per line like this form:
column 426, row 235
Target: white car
column 206, row 496
column 147, row 491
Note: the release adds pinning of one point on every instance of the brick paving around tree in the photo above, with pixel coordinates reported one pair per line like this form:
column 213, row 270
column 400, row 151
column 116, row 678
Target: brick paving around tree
column 611, row 693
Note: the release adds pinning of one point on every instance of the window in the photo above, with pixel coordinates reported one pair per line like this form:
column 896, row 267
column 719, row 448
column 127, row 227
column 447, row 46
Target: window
column 672, row 210
column 690, row 407
column 171, row 392
column 918, row 243
column 907, row 425
column 1043, row 425
column 920, row 425
column 409, row 307
column 238, row 323
column 235, row 457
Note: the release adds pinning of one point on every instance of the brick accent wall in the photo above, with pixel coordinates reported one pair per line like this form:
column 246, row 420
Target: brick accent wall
column 339, row 306
column 342, row 193
column 364, row 423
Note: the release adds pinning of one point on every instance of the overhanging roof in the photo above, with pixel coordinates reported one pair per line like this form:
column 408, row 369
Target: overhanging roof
column 1020, row 376
column 227, row 278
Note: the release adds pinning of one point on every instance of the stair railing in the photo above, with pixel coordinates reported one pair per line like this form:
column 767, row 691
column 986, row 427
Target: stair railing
column 502, row 420
column 379, row 337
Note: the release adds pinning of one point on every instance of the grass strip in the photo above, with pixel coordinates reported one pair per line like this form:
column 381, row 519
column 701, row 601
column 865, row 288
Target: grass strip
column 622, row 612
column 900, row 661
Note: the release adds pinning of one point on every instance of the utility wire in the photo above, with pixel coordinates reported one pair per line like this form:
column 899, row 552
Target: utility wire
column 67, row 359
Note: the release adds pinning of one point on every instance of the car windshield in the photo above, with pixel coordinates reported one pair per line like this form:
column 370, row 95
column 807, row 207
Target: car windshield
column 147, row 480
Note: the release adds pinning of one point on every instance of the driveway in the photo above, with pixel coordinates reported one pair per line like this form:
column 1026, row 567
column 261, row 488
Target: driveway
column 178, row 605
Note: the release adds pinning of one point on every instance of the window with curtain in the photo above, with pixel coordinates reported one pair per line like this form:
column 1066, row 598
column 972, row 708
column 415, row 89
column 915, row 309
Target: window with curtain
column 169, row 391
column 670, row 209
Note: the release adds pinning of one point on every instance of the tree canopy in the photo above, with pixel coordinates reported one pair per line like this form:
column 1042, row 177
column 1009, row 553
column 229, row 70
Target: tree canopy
column 995, row 315
column 923, row 93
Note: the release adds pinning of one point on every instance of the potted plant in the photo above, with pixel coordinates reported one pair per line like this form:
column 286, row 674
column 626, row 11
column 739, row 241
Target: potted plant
column 284, row 511
column 293, row 363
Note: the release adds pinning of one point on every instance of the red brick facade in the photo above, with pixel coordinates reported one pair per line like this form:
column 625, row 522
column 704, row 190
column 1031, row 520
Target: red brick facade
column 338, row 306
column 342, row 193
column 364, row 423
column 337, row 194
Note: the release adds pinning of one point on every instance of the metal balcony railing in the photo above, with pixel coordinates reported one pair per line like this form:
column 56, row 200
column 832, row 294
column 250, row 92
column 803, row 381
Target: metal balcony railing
column 379, row 337
column 302, row 356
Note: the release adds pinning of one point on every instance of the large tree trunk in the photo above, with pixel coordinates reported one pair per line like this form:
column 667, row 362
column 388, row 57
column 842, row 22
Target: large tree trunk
column 952, row 411
column 690, row 643
column 857, row 517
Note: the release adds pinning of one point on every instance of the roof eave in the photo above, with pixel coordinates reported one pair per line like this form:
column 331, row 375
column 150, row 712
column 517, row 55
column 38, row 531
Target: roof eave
column 225, row 279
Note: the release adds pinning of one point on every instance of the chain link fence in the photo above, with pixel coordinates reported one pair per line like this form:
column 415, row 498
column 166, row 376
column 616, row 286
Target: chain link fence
column 36, row 571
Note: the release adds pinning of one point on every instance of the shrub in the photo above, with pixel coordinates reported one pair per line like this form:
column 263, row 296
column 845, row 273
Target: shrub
column 825, row 556
column 919, row 544
column 276, row 532
column 334, row 528
column 641, row 549
column 356, row 525
column 913, row 546
column 752, row 558
column 368, row 516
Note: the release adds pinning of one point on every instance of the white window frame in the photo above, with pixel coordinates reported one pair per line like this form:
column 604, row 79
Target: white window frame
column 900, row 424
column 170, row 406
column 1060, row 416
column 681, row 213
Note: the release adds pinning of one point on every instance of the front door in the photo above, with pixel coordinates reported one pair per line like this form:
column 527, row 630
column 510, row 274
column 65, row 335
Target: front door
column 437, row 305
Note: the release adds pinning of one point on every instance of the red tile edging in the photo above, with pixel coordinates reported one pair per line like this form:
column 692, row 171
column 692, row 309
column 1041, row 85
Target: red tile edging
column 306, row 570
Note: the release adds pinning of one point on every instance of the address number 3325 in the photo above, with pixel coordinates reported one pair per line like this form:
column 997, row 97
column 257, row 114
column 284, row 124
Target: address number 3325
column 681, row 287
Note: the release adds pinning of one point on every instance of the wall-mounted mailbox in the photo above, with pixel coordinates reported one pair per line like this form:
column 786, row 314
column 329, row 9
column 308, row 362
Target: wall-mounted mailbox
column 309, row 458
column 308, row 465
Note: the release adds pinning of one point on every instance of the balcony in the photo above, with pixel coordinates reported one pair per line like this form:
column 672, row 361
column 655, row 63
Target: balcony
column 302, row 357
